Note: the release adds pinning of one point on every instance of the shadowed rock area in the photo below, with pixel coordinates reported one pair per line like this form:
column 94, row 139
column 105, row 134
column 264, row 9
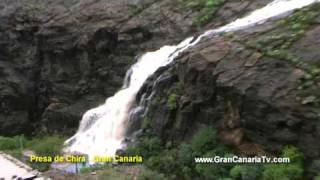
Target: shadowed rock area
column 61, row 58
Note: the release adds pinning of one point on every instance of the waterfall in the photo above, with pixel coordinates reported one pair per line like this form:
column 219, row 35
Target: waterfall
column 102, row 129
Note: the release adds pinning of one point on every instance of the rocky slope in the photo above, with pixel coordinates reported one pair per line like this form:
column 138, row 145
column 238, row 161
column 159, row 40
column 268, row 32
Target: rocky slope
column 259, row 87
column 61, row 58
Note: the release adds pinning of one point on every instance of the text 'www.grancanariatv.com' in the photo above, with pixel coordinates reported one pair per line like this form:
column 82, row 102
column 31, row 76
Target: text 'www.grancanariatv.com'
column 241, row 160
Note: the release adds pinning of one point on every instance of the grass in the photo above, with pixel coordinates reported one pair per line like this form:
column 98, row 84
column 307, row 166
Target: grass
column 43, row 146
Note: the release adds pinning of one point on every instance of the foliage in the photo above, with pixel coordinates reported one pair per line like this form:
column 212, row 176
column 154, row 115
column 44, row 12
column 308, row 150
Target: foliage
column 291, row 171
column 166, row 162
column 185, row 154
column 207, row 9
column 213, row 171
column 172, row 101
column 44, row 146
column 146, row 122
column 281, row 171
column 177, row 161
column 246, row 172
column 49, row 145
column 147, row 174
column 145, row 147
column 7, row 143
column 294, row 154
column 204, row 140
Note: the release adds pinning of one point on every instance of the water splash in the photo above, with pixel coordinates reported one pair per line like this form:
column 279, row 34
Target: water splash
column 102, row 129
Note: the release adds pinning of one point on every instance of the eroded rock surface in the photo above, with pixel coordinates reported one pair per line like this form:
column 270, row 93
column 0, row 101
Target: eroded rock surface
column 59, row 58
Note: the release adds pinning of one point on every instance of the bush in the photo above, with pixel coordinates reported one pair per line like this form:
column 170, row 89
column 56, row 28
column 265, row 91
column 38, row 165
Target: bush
column 213, row 171
column 281, row 171
column 204, row 140
column 294, row 154
column 185, row 155
column 147, row 174
column 207, row 9
column 46, row 146
column 145, row 147
column 246, row 172
column 291, row 171
column 172, row 101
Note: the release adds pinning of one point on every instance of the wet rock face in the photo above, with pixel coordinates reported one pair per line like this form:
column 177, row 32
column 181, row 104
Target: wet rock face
column 61, row 58
column 255, row 90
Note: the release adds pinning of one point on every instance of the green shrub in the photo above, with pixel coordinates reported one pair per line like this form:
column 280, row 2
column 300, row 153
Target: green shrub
column 172, row 101
column 46, row 146
column 146, row 123
column 246, row 172
column 145, row 147
column 169, row 164
column 213, row 171
column 291, row 171
column 294, row 154
column 177, row 162
column 185, row 155
column 204, row 140
column 207, row 9
column 147, row 174
column 282, row 171
column 153, row 162
column 236, row 172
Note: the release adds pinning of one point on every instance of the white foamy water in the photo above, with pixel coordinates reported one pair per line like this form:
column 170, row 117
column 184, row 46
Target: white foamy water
column 102, row 129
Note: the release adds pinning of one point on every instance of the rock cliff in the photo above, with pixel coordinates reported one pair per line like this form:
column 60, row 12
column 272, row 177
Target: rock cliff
column 61, row 58
column 259, row 87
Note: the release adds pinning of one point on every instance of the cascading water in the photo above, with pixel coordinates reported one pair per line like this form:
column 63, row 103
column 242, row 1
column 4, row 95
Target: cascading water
column 102, row 129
